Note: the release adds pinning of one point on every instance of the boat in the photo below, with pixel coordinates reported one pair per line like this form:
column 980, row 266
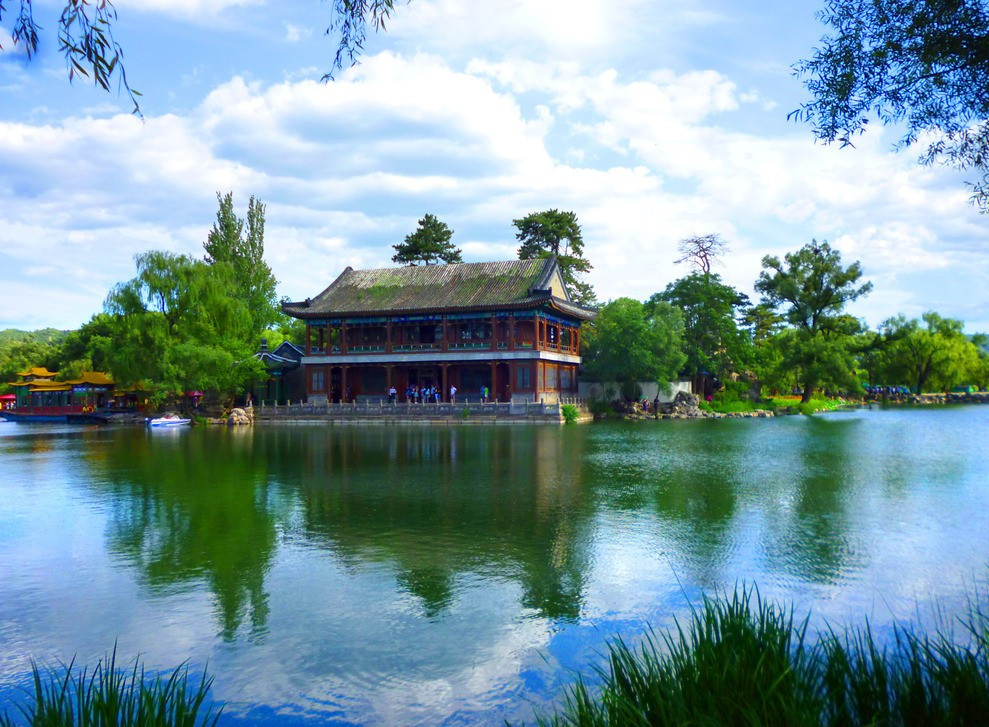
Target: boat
column 169, row 420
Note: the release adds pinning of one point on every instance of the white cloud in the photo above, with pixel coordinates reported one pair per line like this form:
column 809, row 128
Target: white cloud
column 347, row 169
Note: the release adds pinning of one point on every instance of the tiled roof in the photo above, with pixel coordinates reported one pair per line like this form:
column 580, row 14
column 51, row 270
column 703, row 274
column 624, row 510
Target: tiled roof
column 40, row 372
column 463, row 286
column 92, row 378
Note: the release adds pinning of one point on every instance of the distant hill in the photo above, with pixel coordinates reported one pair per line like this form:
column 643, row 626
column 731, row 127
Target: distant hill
column 42, row 335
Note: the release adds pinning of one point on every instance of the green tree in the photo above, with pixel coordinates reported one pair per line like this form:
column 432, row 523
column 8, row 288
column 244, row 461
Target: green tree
column 628, row 344
column 553, row 232
column 766, row 328
column 240, row 244
column 813, row 288
column 85, row 36
column 712, row 339
column 429, row 244
column 179, row 325
column 932, row 351
column 917, row 64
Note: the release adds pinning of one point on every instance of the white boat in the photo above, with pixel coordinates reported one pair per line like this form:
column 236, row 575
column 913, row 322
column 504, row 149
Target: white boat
column 169, row 420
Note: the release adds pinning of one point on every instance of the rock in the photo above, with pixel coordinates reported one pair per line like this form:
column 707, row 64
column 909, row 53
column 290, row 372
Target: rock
column 685, row 404
column 239, row 417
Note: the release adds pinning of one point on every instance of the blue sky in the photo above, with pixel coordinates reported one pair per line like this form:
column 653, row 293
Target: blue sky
column 652, row 120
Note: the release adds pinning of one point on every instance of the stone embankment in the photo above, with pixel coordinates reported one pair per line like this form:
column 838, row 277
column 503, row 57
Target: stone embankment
column 952, row 397
column 687, row 406
column 443, row 413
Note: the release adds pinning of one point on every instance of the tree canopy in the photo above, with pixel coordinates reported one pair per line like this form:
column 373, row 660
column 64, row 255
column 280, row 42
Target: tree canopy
column 180, row 324
column 813, row 287
column 712, row 339
column 430, row 244
column 931, row 351
column 240, row 244
column 553, row 232
column 86, row 39
column 628, row 344
column 921, row 64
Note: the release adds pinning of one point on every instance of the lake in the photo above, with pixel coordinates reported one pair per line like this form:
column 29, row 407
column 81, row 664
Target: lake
column 459, row 575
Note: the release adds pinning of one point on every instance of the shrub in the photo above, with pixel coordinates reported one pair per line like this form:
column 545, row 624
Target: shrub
column 570, row 413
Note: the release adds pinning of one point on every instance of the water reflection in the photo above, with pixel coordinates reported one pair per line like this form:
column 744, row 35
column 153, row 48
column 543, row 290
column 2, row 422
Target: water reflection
column 435, row 504
column 426, row 574
column 186, row 508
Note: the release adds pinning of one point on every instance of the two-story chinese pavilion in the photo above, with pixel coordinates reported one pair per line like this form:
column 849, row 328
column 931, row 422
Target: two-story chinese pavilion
column 508, row 326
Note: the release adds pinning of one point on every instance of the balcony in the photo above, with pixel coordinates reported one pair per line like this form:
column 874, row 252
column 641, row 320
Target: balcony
column 470, row 345
column 376, row 348
column 406, row 347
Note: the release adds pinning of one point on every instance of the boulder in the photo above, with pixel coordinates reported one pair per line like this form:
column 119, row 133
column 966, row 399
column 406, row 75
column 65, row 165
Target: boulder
column 239, row 417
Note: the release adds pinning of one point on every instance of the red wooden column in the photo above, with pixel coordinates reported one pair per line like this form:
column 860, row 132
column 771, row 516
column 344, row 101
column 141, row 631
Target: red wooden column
column 343, row 337
column 388, row 337
column 446, row 345
column 511, row 332
column 308, row 340
column 494, row 333
column 494, row 381
column 388, row 368
column 343, row 384
column 446, row 389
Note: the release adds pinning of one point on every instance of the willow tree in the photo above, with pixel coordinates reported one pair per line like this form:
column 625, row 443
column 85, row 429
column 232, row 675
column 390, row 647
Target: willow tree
column 179, row 324
column 86, row 37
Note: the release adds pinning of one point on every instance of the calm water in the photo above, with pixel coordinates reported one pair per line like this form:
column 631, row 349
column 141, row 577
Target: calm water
column 458, row 575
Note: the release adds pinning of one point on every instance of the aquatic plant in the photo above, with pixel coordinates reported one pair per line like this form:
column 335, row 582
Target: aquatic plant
column 108, row 695
column 743, row 661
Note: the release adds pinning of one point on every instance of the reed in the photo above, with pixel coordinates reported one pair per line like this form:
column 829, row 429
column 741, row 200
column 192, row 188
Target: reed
column 108, row 696
column 742, row 661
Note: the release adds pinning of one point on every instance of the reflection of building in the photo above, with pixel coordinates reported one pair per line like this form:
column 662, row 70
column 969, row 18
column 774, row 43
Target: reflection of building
column 508, row 326
column 285, row 379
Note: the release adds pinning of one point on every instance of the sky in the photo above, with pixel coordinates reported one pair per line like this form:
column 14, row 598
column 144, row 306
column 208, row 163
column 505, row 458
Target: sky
column 652, row 120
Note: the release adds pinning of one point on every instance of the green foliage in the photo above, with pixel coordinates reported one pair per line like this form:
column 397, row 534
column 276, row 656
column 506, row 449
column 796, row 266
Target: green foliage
column 108, row 695
column 180, row 324
column 85, row 36
column 626, row 344
column 741, row 660
column 553, row 232
column 240, row 244
column 570, row 413
column 917, row 64
column 933, row 351
column 712, row 339
column 429, row 244
column 812, row 287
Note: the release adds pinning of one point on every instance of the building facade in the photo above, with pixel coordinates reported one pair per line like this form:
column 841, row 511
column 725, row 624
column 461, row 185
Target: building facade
column 508, row 328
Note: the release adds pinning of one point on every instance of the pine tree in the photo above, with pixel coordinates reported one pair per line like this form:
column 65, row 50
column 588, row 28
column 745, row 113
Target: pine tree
column 429, row 244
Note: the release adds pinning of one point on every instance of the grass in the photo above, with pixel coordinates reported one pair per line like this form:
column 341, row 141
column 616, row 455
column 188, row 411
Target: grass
column 108, row 696
column 742, row 661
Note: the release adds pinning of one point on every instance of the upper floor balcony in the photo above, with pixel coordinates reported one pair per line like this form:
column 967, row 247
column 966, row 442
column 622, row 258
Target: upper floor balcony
column 442, row 335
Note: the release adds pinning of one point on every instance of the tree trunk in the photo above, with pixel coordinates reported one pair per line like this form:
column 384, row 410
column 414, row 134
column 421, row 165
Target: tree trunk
column 808, row 390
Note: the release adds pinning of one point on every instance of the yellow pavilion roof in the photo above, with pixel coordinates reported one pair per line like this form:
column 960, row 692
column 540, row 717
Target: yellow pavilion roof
column 39, row 372
column 92, row 378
